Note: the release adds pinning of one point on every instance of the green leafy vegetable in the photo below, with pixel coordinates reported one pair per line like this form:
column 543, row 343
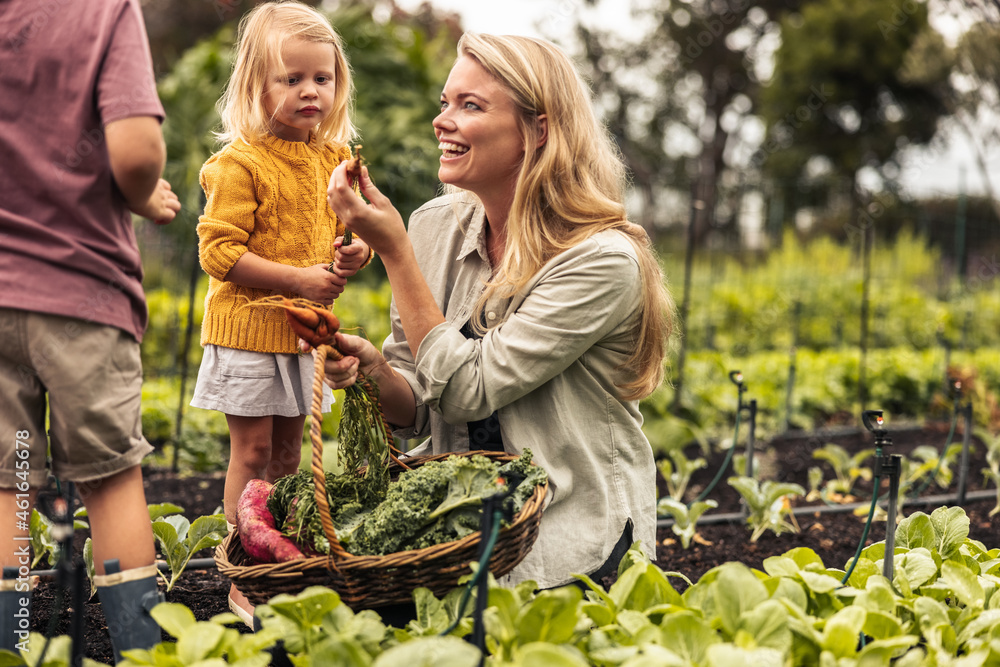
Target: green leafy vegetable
column 437, row 502
column 180, row 539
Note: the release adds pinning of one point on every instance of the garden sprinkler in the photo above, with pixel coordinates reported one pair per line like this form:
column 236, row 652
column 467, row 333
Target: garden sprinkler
column 885, row 465
column 494, row 511
column 888, row 465
column 955, row 391
column 736, row 378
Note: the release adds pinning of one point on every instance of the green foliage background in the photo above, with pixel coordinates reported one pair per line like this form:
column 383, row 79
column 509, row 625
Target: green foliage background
column 756, row 312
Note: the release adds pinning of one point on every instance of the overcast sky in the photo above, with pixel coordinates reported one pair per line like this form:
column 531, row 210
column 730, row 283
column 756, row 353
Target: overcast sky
column 926, row 173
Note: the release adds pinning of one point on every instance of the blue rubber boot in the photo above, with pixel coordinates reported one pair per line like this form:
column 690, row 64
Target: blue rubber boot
column 126, row 598
column 15, row 611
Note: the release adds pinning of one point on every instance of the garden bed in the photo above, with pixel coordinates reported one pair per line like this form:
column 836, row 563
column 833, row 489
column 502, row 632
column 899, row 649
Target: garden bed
column 832, row 533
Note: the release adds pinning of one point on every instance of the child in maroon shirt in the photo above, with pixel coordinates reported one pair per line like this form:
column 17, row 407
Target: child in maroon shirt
column 80, row 150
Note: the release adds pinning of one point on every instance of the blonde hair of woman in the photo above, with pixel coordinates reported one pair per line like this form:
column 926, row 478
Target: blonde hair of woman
column 569, row 188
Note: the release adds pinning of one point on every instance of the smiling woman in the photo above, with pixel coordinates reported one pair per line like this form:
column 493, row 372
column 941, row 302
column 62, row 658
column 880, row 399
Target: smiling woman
column 527, row 311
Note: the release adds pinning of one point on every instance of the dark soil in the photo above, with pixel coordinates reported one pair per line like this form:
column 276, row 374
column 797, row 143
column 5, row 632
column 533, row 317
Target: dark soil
column 834, row 535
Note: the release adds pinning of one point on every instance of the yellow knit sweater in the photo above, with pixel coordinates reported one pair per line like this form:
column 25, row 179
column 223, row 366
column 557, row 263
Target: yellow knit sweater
column 268, row 198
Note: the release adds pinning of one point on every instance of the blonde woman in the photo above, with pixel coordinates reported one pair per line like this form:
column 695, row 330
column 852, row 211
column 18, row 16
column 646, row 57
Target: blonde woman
column 527, row 311
column 267, row 230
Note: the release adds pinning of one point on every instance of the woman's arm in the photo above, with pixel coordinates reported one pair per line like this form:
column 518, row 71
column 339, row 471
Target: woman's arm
column 382, row 227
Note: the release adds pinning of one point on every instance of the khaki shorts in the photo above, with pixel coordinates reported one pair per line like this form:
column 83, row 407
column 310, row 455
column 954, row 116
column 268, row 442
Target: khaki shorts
column 91, row 376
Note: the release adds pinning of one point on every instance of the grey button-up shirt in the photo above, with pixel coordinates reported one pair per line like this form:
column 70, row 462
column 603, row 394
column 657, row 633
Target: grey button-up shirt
column 548, row 368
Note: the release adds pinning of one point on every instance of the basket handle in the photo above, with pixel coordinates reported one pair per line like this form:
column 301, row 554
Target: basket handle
column 315, row 434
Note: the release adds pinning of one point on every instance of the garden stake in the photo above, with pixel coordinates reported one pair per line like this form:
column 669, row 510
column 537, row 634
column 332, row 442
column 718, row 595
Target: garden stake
column 751, row 441
column 963, row 468
column 736, row 378
column 494, row 511
column 69, row 575
column 797, row 313
column 890, row 464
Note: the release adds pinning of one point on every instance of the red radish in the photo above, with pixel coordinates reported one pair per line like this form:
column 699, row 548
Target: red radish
column 260, row 537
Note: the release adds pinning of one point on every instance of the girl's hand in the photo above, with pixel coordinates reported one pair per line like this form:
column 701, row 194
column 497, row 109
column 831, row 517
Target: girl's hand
column 349, row 258
column 318, row 283
column 377, row 221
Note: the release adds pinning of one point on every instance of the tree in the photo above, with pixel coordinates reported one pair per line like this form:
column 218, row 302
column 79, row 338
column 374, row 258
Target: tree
column 974, row 98
column 679, row 99
column 676, row 102
column 843, row 95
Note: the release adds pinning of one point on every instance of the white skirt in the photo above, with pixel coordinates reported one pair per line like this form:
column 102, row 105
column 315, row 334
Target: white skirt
column 256, row 384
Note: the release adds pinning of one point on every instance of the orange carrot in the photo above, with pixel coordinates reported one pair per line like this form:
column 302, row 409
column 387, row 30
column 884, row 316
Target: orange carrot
column 354, row 166
column 309, row 321
column 312, row 324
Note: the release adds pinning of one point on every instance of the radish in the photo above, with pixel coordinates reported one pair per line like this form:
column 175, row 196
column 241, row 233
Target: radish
column 260, row 537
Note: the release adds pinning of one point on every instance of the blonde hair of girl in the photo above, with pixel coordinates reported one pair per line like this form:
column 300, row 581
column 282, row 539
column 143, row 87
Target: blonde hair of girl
column 262, row 34
column 568, row 189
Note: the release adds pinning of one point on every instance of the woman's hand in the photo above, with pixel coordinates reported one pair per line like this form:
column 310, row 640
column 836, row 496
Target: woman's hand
column 377, row 221
column 359, row 354
column 395, row 395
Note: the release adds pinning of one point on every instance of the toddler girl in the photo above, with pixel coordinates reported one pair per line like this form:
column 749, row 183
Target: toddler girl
column 267, row 230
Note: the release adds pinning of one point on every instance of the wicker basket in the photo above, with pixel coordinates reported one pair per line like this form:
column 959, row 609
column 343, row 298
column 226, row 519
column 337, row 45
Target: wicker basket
column 365, row 582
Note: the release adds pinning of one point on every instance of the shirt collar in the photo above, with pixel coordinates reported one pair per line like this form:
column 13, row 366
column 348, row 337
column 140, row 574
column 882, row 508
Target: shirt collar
column 475, row 235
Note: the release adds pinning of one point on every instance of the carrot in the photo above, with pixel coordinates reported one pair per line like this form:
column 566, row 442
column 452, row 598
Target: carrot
column 309, row 321
column 260, row 537
column 354, row 166
column 314, row 325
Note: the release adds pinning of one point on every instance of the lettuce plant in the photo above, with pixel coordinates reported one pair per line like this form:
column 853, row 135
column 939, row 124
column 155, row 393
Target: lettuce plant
column 992, row 471
column 685, row 516
column 180, row 539
column 677, row 471
column 847, row 469
column 768, row 504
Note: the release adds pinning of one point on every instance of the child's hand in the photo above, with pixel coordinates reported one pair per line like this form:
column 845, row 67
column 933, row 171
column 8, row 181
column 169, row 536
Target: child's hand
column 349, row 258
column 318, row 283
column 162, row 205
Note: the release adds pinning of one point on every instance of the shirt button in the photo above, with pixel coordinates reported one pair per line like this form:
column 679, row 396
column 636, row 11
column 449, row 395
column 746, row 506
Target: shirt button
column 491, row 315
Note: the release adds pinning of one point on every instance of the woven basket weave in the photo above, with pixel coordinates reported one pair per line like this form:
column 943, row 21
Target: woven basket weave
column 365, row 582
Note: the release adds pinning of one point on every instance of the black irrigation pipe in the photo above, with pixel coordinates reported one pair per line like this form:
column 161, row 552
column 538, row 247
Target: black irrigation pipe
column 162, row 566
column 737, row 517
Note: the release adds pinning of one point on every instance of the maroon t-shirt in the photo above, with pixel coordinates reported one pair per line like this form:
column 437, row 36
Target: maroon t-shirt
column 67, row 69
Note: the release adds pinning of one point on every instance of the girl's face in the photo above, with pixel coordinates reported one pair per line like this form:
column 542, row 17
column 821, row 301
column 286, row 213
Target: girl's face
column 478, row 133
column 298, row 97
